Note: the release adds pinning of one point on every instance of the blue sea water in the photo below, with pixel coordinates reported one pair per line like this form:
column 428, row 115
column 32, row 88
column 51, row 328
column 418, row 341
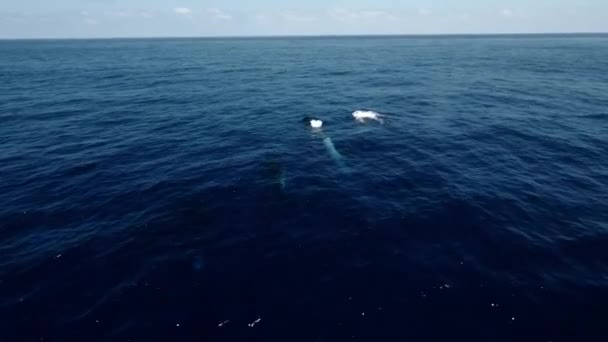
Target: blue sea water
column 169, row 190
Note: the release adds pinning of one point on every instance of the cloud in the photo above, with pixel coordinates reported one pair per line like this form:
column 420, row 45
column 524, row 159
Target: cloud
column 262, row 19
column 295, row 17
column 90, row 21
column 146, row 14
column 182, row 11
column 463, row 16
column 218, row 14
column 14, row 17
column 506, row 13
column 120, row 14
column 343, row 14
column 130, row 13
column 374, row 14
column 347, row 15
column 424, row 12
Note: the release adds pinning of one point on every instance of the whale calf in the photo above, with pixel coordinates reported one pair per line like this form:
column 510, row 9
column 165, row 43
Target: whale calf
column 363, row 115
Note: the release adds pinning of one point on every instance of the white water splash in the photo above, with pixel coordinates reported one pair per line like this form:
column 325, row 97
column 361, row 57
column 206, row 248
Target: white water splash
column 363, row 115
column 252, row 325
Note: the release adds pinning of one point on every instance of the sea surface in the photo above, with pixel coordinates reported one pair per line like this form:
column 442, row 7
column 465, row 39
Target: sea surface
column 172, row 189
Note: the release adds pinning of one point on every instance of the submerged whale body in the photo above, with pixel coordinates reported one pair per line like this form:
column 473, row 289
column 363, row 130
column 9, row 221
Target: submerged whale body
column 275, row 173
column 363, row 115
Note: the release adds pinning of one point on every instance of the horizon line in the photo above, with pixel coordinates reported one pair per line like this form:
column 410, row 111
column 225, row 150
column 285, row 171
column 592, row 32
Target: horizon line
column 373, row 35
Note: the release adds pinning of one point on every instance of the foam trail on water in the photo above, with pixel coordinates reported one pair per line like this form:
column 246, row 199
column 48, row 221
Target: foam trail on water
column 331, row 148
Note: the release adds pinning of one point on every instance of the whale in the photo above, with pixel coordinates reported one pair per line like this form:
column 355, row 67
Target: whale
column 275, row 173
column 313, row 122
column 316, row 123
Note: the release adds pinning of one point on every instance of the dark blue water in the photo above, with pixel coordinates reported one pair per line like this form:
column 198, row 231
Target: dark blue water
column 168, row 190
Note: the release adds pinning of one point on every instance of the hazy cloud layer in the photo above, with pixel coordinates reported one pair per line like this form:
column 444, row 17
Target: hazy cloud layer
column 97, row 18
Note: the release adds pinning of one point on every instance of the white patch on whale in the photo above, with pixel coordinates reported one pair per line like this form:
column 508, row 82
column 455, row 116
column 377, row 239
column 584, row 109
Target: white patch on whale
column 314, row 123
column 363, row 115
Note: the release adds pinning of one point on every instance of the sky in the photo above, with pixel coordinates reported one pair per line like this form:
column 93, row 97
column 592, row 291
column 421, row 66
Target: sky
column 188, row 18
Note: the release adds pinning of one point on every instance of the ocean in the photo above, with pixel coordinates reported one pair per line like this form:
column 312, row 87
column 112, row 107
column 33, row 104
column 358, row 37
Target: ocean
column 173, row 190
